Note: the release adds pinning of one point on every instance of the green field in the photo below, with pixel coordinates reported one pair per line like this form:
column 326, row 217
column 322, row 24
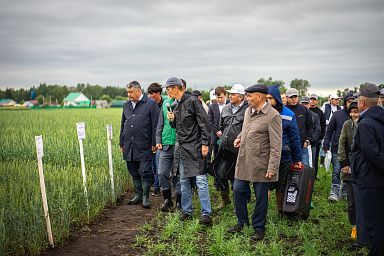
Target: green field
column 22, row 223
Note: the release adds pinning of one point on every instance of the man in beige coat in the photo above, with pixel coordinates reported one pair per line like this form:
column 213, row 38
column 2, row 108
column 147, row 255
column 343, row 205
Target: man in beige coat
column 260, row 143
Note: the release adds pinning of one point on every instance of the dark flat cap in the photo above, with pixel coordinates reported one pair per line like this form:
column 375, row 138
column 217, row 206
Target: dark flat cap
column 258, row 88
column 172, row 81
column 369, row 90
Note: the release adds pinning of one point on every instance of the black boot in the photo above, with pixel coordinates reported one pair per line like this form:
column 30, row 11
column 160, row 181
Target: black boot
column 178, row 202
column 138, row 193
column 168, row 204
column 146, row 187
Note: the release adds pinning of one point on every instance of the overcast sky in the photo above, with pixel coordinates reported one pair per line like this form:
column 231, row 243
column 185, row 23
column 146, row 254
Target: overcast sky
column 332, row 44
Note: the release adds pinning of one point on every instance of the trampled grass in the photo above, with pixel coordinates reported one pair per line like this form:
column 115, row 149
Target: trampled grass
column 22, row 223
column 325, row 232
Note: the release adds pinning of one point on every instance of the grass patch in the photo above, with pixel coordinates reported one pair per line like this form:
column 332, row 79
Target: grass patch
column 325, row 232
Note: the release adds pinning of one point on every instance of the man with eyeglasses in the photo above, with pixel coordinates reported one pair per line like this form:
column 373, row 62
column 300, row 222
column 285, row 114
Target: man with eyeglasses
column 304, row 122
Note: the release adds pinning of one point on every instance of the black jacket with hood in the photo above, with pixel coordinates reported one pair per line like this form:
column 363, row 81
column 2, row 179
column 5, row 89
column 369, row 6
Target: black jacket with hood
column 192, row 131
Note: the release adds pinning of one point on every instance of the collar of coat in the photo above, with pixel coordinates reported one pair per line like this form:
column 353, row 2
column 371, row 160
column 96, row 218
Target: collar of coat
column 265, row 109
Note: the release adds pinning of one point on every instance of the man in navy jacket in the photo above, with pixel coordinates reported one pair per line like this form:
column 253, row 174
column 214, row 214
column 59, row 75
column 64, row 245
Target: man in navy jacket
column 137, row 140
column 331, row 142
column 367, row 158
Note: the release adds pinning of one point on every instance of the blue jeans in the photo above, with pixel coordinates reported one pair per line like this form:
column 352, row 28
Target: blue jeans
column 335, row 187
column 305, row 156
column 242, row 193
column 165, row 169
column 155, row 164
column 186, row 192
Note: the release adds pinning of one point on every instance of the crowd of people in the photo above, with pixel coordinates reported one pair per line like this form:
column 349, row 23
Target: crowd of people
column 254, row 137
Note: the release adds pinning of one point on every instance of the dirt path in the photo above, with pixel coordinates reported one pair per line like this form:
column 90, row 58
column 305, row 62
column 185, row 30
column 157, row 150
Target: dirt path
column 112, row 233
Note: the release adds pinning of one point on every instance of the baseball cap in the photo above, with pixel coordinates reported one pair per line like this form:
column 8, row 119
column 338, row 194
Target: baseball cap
column 212, row 95
column 314, row 96
column 304, row 99
column 237, row 88
column 368, row 90
column 172, row 81
column 257, row 88
column 334, row 96
column 292, row 92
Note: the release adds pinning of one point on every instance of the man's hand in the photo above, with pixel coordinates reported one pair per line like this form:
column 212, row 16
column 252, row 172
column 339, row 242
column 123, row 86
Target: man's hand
column 269, row 175
column 236, row 143
column 204, row 150
column 298, row 164
column 219, row 133
column 170, row 116
column 159, row 146
column 346, row 169
column 154, row 149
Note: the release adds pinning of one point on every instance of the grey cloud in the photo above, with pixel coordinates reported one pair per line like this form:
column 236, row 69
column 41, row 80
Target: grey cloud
column 332, row 44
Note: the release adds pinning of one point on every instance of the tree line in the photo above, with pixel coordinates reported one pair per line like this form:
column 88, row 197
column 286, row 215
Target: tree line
column 56, row 93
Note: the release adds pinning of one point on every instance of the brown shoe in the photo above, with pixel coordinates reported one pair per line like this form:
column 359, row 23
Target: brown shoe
column 224, row 200
column 257, row 236
column 235, row 229
column 205, row 219
column 185, row 216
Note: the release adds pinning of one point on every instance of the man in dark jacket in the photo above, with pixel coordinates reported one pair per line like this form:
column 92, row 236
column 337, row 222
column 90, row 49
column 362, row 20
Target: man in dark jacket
column 304, row 122
column 231, row 122
column 316, row 129
column 331, row 142
column 192, row 146
column 137, row 140
column 154, row 92
column 367, row 158
column 291, row 149
column 313, row 106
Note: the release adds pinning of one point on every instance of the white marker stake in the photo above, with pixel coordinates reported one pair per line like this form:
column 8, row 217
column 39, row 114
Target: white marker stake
column 81, row 136
column 109, row 140
column 40, row 154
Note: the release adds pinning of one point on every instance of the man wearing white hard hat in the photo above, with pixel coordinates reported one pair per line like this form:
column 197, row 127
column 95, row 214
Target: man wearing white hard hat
column 231, row 123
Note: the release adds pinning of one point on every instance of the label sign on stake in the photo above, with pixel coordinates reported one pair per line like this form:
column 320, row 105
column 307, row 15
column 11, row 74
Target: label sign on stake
column 80, row 130
column 109, row 131
column 81, row 136
column 39, row 146
column 109, row 141
column 40, row 154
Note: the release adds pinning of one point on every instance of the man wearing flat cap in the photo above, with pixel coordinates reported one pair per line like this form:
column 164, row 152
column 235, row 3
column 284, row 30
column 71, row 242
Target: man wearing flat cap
column 367, row 166
column 260, row 143
column 191, row 148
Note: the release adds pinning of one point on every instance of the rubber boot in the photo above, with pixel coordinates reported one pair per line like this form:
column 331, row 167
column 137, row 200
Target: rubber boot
column 137, row 199
column 146, row 187
column 279, row 202
column 178, row 202
column 224, row 199
column 168, row 204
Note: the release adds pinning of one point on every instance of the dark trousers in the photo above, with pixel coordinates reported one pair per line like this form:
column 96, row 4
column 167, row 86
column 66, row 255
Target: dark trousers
column 315, row 162
column 141, row 170
column 242, row 193
column 351, row 202
column 369, row 202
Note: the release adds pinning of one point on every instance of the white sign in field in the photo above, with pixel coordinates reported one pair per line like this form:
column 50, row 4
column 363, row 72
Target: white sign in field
column 39, row 146
column 80, row 130
column 109, row 131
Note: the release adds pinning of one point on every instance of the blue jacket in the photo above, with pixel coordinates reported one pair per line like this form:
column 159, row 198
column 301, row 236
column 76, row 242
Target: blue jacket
column 291, row 150
column 138, row 129
column 367, row 153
